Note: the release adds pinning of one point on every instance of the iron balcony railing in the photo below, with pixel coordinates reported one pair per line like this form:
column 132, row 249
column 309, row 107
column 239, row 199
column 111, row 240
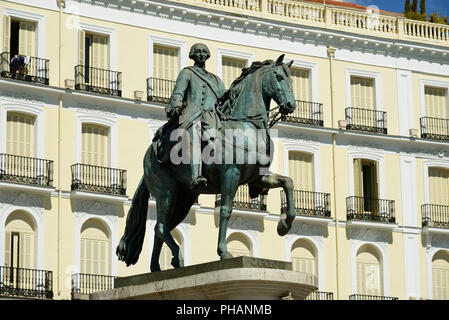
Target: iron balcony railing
column 310, row 113
column 320, row 295
column 370, row 297
column 435, row 216
column 434, row 128
column 159, row 90
column 98, row 179
column 37, row 69
column 27, row 170
column 242, row 200
column 83, row 283
column 369, row 209
column 366, row 120
column 20, row 282
column 307, row 203
column 98, row 80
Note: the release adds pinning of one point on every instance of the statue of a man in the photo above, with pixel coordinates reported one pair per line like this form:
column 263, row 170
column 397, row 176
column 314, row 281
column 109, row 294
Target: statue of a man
column 193, row 101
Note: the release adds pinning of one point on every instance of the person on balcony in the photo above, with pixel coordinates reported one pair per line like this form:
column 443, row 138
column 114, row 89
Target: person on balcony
column 18, row 64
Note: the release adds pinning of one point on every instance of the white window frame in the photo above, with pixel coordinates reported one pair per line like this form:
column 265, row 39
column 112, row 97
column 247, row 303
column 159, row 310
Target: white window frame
column 112, row 37
column 37, row 111
column 248, row 57
column 166, row 42
column 427, row 163
column 312, row 68
column 423, row 83
column 376, row 76
column 40, row 26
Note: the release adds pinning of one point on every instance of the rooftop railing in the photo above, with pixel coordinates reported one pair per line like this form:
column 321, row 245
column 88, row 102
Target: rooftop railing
column 36, row 71
column 98, row 80
column 310, row 113
column 370, row 297
column 26, row 170
column 243, row 201
column 307, row 203
column 434, row 128
column 320, row 295
column 366, row 120
column 30, row 283
column 89, row 283
column 435, row 216
column 98, row 179
column 159, row 90
column 369, row 209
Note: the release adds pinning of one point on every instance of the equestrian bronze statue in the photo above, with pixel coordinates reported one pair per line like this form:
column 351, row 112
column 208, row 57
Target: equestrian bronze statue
column 201, row 107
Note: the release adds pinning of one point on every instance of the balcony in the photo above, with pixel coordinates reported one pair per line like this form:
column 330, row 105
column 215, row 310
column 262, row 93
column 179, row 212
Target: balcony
column 309, row 113
column 85, row 284
column 366, row 120
column 159, row 90
column 369, row 297
column 98, row 179
column 435, row 216
column 244, row 202
column 319, row 295
column 29, row 283
column 435, row 129
column 26, row 170
column 98, row 80
column 369, row 209
column 311, row 204
column 36, row 71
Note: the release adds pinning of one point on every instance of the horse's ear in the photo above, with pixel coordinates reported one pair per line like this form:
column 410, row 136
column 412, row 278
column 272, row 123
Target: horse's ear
column 290, row 64
column 280, row 59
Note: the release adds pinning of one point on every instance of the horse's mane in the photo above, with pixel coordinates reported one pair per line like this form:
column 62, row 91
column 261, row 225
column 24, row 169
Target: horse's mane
column 226, row 101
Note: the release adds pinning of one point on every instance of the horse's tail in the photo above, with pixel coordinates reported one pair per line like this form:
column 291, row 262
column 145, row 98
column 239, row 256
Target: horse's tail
column 131, row 243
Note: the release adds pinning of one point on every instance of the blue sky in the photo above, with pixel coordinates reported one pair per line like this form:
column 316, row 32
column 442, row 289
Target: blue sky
column 441, row 6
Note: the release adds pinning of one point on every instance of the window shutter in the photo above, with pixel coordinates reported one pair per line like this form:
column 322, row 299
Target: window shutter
column 440, row 277
column 362, row 93
column 436, row 102
column 439, row 186
column 27, row 38
column 231, row 69
column 26, row 241
column 94, row 150
column 6, row 33
column 20, row 134
column 301, row 170
column 358, row 185
column 368, row 278
column 303, row 260
column 301, row 86
column 81, row 47
column 8, row 249
column 165, row 63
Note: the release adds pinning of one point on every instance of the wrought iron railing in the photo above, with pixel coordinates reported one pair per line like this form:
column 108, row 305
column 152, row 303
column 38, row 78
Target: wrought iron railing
column 307, row 203
column 366, row 120
column 37, row 70
column 27, row 170
column 434, row 128
column 159, row 90
column 369, row 209
column 370, row 297
column 20, row 282
column 98, row 179
column 435, row 216
column 310, row 113
column 83, row 283
column 320, row 295
column 242, row 200
column 98, row 80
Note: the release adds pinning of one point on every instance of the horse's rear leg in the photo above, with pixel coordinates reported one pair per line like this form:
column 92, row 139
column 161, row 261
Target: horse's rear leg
column 278, row 181
column 229, row 185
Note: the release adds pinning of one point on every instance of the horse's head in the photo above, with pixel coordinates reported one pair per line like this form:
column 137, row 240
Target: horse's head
column 281, row 86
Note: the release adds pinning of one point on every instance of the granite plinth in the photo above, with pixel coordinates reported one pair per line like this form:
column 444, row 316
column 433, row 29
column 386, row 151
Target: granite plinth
column 241, row 278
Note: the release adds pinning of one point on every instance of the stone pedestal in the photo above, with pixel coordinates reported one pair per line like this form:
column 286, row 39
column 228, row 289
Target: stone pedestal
column 241, row 278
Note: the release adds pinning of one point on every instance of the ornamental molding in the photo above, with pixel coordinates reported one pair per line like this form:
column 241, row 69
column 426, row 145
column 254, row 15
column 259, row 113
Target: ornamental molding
column 96, row 109
column 85, row 209
column 305, row 229
column 30, row 201
column 369, row 235
column 238, row 222
column 22, row 97
column 439, row 241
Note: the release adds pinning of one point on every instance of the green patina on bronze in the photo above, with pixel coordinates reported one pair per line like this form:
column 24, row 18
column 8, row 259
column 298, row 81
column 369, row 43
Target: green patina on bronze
column 199, row 97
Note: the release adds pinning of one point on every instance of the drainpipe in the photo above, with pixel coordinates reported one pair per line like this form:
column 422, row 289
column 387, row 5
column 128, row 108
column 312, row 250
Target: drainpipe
column 331, row 56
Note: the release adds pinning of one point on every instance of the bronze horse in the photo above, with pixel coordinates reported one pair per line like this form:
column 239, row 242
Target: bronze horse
column 245, row 106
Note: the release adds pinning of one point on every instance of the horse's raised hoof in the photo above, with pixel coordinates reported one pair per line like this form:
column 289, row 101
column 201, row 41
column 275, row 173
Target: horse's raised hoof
column 283, row 227
column 121, row 250
column 226, row 255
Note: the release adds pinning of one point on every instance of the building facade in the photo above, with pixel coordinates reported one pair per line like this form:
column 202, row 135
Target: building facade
column 367, row 147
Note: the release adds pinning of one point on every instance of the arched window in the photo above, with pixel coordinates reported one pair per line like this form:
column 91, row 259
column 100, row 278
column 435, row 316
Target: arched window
column 166, row 255
column 303, row 257
column 300, row 166
column 20, row 134
column 369, row 272
column 20, row 241
column 440, row 276
column 238, row 245
column 95, row 248
column 95, row 146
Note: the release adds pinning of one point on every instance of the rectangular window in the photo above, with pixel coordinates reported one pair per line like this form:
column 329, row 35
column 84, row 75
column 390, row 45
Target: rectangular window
column 301, row 170
column 20, row 134
column 301, row 84
column 439, row 186
column 436, row 102
column 366, row 183
column 19, row 37
column 165, row 63
column 95, row 146
column 19, row 248
column 231, row 69
column 362, row 93
column 94, row 256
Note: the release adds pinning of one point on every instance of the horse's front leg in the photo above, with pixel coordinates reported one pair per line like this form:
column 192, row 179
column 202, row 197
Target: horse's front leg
column 229, row 185
column 275, row 180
